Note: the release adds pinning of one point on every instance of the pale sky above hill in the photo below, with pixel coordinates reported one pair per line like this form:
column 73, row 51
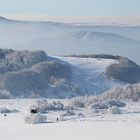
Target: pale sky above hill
column 128, row 10
column 71, row 7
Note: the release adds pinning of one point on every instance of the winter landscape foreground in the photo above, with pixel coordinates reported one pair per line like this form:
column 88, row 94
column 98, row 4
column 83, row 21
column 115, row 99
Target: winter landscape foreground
column 93, row 96
column 84, row 83
column 89, row 125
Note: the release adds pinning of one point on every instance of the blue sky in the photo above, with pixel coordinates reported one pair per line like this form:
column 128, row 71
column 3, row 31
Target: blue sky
column 71, row 7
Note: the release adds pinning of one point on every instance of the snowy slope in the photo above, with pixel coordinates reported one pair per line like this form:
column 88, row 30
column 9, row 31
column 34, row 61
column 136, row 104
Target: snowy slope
column 62, row 39
column 89, row 74
column 28, row 74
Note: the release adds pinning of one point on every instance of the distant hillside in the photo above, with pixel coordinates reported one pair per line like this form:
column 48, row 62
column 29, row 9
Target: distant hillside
column 34, row 74
column 67, row 39
column 124, row 70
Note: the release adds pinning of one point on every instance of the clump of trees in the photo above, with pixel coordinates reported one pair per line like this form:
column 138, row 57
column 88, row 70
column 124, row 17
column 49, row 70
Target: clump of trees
column 4, row 94
column 124, row 70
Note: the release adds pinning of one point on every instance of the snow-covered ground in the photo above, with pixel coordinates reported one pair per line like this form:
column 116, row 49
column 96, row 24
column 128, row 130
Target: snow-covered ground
column 90, row 125
column 71, row 131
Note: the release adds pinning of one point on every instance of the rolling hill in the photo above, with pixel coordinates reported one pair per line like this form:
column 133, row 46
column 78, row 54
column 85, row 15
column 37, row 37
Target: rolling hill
column 34, row 74
column 67, row 39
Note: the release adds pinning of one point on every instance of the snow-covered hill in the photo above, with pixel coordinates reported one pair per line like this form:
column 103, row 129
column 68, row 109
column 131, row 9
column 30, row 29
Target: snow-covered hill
column 34, row 74
column 63, row 39
column 89, row 74
column 106, row 88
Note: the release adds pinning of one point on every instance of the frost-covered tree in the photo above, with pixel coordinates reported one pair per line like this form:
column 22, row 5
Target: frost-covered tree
column 127, row 92
column 124, row 70
column 4, row 94
column 53, row 69
column 43, row 106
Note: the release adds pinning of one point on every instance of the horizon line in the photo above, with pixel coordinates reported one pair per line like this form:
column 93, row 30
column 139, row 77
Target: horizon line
column 124, row 20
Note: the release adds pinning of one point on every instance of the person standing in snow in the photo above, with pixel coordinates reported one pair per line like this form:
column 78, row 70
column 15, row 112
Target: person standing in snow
column 5, row 115
column 57, row 119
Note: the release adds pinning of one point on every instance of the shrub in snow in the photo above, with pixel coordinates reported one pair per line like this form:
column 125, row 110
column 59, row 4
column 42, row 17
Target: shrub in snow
column 98, row 105
column 43, row 106
column 4, row 94
column 91, row 99
column 35, row 119
column 130, row 91
column 69, row 113
column 106, row 104
column 117, row 103
column 6, row 110
column 114, row 110
column 114, row 93
column 77, row 102
column 80, row 114
column 82, row 101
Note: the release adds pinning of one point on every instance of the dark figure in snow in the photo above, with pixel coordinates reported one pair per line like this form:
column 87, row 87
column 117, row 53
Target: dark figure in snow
column 57, row 119
column 5, row 115
column 34, row 111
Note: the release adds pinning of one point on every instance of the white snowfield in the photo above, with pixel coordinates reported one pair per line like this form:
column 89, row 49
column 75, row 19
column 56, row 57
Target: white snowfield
column 125, row 126
column 71, row 131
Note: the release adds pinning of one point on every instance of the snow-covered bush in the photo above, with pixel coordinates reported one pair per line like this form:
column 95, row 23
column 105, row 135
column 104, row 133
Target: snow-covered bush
column 117, row 103
column 106, row 104
column 83, row 101
column 77, row 102
column 7, row 110
column 129, row 92
column 97, row 105
column 69, row 113
column 80, row 114
column 114, row 110
column 43, row 106
column 4, row 94
column 35, row 118
column 91, row 100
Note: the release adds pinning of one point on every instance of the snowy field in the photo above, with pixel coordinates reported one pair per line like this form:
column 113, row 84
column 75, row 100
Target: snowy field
column 90, row 125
